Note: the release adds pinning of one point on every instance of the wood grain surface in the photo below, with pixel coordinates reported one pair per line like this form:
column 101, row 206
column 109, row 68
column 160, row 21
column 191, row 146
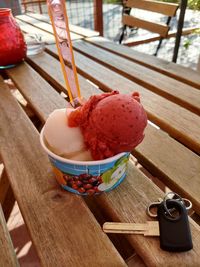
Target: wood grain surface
column 171, row 69
column 62, row 228
column 132, row 21
column 145, row 190
column 50, row 69
column 47, row 38
column 166, row 114
column 168, row 9
column 135, row 261
column 43, row 26
column 45, row 206
column 137, row 192
column 73, row 28
column 7, row 253
column 158, row 83
column 173, row 163
column 35, row 90
column 181, row 175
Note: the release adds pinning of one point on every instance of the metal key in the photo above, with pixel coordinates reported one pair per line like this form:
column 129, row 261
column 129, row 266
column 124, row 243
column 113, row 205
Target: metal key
column 150, row 228
column 172, row 226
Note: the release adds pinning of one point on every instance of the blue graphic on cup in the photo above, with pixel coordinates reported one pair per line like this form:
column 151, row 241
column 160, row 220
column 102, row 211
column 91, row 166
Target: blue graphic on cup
column 88, row 177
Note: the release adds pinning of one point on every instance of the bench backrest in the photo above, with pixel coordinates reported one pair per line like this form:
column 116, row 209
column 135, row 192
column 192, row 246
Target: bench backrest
column 32, row 3
column 167, row 9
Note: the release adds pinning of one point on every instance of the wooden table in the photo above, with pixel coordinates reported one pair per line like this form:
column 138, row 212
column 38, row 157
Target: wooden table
column 65, row 228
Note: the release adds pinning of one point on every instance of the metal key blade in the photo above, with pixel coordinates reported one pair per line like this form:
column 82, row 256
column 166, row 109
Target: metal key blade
column 150, row 228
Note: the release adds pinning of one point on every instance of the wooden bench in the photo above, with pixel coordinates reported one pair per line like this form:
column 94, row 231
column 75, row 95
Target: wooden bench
column 33, row 3
column 136, row 191
column 151, row 80
column 166, row 9
column 37, row 23
column 169, row 152
column 50, row 214
column 170, row 69
column 174, row 174
column 73, row 28
column 7, row 254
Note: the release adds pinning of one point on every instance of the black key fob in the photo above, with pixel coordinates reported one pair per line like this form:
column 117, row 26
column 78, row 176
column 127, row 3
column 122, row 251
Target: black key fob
column 174, row 226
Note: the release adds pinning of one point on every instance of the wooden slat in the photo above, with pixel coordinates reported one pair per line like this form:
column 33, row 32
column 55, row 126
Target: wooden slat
column 73, row 28
column 33, row 1
column 174, row 164
column 154, row 37
column 57, row 78
column 132, row 21
column 37, row 90
column 169, row 116
column 7, row 253
column 170, row 69
column 137, row 191
column 174, row 173
column 159, row 83
column 29, row 29
column 50, row 214
column 135, row 261
column 168, row 9
column 43, row 26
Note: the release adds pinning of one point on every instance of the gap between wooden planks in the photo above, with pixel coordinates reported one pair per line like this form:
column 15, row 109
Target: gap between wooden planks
column 49, row 213
column 162, row 112
column 181, row 177
column 181, row 73
column 135, row 188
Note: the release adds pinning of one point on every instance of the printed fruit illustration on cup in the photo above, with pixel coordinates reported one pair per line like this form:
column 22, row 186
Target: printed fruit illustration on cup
column 83, row 183
column 88, row 184
column 112, row 176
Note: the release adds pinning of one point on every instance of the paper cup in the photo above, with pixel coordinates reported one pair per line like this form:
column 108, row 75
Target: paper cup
column 88, row 177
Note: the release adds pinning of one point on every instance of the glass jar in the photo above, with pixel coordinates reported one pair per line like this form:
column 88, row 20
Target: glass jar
column 12, row 44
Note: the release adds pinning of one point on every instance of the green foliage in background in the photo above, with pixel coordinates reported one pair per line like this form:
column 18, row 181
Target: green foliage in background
column 112, row 2
column 192, row 4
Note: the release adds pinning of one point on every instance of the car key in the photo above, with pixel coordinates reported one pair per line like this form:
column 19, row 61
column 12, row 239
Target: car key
column 150, row 228
column 174, row 226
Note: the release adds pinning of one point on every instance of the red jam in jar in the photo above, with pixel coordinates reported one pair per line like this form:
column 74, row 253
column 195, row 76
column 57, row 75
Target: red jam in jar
column 12, row 45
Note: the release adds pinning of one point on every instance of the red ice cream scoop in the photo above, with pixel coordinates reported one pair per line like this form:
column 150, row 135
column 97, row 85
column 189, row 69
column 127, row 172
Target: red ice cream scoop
column 111, row 123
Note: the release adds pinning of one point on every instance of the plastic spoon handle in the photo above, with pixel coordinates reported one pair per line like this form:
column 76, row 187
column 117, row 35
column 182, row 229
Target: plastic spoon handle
column 58, row 16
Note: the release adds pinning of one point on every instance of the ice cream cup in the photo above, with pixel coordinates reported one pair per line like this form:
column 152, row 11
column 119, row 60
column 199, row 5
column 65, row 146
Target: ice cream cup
column 88, row 177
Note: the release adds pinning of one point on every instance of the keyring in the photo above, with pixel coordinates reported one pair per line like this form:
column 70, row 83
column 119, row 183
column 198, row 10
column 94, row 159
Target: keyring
column 189, row 206
column 176, row 197
column 151, row 206
column 187, row 203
